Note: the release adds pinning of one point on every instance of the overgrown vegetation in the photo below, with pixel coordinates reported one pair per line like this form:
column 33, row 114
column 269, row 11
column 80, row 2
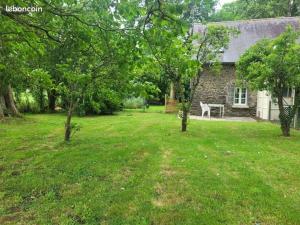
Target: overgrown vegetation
column 134, row 103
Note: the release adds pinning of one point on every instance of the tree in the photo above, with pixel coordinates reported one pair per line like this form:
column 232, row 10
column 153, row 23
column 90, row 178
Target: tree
column 87, row 48
column 273, row 65
column 40, row 81
column 15, row 50
column 103, row 25
column 179, row 52
column 72, row 88
column 255, row 9
column 144, row 89
column 13, row 68
column 147, row 81
column 193, row 55
column 178, row 16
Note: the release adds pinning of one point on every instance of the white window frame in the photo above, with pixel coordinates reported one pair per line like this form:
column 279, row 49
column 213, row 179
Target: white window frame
column 240, row 97
column 289, row 93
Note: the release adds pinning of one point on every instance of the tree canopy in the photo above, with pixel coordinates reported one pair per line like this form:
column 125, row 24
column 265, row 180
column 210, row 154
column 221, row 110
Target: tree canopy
column 273, row 65
column 180, row 53
column 87, row 56
column 255, row 9
column 78, row 54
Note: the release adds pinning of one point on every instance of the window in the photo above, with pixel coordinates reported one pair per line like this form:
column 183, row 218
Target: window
column 287, row 92
column 240, row 96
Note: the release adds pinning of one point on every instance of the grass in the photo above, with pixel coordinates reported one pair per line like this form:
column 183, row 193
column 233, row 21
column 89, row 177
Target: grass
column 138, row 168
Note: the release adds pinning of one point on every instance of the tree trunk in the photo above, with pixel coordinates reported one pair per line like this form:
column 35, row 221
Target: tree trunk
column 51, row 100
column 41, row 100
column 68, row 127
column 10, row 103
column 172, row 92
column 285, row 122
column 186, row 106
column 2, row 104
column 184, row 119
column 285, row 130
column 289, row 8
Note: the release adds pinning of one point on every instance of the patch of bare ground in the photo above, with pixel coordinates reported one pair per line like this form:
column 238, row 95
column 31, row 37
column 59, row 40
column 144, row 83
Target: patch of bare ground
column 141, row 156
column 9, row 219
column 23, row 148
column 104, row 222
column 131, row 209
column 71, row 189
column 120, row 145
column 126, row 172
column 166, row 197
column 14, row 217
column 121, row 177
column 165, row 193
column 2, row 169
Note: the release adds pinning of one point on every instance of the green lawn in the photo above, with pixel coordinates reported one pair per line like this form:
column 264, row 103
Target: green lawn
column 138, row 168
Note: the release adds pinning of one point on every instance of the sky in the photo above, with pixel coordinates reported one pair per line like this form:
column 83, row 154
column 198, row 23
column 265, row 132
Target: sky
column 222, row 2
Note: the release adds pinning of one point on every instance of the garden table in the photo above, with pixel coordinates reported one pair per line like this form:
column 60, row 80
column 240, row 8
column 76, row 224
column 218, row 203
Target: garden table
column 218, row 106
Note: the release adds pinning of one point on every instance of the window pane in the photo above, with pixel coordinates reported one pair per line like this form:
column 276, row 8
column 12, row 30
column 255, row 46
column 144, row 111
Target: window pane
column 240, row 95
column 244, row 92
column 237, row 93
column 287, row 92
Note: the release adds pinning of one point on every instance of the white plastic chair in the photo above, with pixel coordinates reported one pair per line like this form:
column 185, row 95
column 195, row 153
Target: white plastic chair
column 205, row 108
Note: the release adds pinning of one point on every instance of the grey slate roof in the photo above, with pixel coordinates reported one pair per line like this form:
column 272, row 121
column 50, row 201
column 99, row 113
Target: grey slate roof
column 251, row 31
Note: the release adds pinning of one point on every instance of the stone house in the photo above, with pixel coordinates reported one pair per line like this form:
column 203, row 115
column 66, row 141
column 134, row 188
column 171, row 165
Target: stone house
column 221, row 89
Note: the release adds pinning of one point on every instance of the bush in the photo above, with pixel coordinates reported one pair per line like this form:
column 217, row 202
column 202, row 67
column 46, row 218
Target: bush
column 134, row 103
column 27, row 103
column 105, row 102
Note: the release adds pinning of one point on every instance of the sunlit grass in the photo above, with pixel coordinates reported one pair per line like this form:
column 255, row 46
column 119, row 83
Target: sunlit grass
column 138, row 168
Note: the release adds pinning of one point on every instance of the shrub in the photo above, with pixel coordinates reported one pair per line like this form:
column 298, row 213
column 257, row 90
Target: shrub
column 105, row 102
column 134, row 103
column 27, row 103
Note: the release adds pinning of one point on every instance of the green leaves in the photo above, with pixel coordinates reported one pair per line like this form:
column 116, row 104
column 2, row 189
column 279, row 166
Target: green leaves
column 144, row 89
column 41, row 78
column 272, row 64
column 254, row 9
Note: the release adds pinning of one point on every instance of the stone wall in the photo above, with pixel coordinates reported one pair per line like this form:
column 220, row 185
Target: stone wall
column 219, row 89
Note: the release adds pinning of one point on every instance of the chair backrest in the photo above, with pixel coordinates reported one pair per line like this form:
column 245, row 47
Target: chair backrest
column 204, row 107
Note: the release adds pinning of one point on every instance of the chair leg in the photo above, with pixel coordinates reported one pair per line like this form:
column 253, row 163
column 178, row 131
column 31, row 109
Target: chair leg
column 208, row 113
